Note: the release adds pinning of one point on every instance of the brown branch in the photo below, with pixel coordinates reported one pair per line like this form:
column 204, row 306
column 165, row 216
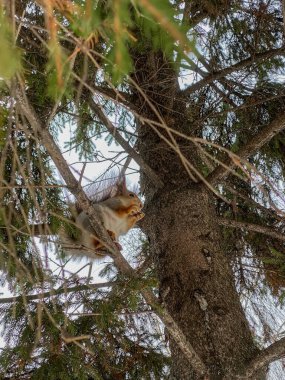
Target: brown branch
column 255, row 143
column 267, row 356
column 125, row 145
column 250, row 103
column 122, row 264
column 268, row 211
column 203, row 74
column 283, row 14
column 63, row 167
column 257, row 58
column 252, row 227
column 175, row 333
column 56, row 292
column 31, row 186
column 118, row 96
column 108, row 93
column 226, row 83
column 44, row 229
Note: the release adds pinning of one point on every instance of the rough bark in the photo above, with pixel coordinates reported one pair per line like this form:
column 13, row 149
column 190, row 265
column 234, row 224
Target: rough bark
column 196, row 281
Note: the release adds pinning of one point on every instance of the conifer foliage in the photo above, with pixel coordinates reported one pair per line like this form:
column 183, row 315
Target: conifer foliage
column 190, row 96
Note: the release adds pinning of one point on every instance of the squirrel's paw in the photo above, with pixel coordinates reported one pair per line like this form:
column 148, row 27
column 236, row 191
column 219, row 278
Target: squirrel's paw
column 140, row 215
column 135, row 210
column 137, row 216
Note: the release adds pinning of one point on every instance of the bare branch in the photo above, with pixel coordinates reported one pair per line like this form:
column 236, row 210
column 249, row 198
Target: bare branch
column 268, row 211
column 252, row 227
column 55, row 186
column 225, row 97
column 283, row 14
column 274, row 352
column 124, row 144
column 175, row 333
column 118, row 96
column 257, row 58
column 56, row 292
column 253, row 145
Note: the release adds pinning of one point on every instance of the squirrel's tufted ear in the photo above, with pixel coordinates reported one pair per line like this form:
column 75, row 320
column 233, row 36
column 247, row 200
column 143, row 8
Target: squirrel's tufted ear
column 120, row 188
column 114, row 191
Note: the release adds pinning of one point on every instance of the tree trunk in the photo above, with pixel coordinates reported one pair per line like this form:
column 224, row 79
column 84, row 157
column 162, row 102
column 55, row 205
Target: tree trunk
column 196, row 281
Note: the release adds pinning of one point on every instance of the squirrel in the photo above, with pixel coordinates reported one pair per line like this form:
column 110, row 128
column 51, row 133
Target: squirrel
column 118, row 208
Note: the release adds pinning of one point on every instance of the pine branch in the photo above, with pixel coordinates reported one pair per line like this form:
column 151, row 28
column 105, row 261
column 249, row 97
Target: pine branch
column 48, row 142
column 124, row 144
column 251, row 102
column 267, row 356
column 123, row 266
column 56, row 292
column 252, row 227
column 116, row 95
column 108, row 93
column 257, row 58
column 283, row 14
column 44, row 229
column 121, row 141
column 253, row 145
column 225, row 97
column 268, row 211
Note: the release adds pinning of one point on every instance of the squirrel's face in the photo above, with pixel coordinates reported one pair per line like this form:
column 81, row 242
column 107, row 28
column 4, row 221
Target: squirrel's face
column 131, row 198
column 136, row 198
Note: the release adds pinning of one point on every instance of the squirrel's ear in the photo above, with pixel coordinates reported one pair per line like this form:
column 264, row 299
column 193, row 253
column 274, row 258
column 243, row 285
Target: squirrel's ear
column 114, row 191
column 123, row 184
column 120, row 188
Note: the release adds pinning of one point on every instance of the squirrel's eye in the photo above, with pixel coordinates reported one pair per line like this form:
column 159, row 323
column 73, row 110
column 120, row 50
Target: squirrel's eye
column 131, row 195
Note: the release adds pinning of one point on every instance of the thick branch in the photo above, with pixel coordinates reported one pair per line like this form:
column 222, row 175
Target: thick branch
column 203, row 74
column 267, row 356
column 109, row 93
column 118, row 96
column 253, row 145
column 252, row 227
column 121, row 263
column 125, row 145
column 257, row 58
column 56, row 292
column 268, row 211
